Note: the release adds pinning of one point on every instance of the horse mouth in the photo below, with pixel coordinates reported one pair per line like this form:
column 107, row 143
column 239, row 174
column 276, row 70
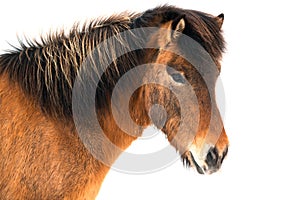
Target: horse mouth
column 189, row 161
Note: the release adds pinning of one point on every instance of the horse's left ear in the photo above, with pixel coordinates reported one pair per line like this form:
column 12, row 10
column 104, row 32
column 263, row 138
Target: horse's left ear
column 178, row 26
column 174, row 28
column 220, row 20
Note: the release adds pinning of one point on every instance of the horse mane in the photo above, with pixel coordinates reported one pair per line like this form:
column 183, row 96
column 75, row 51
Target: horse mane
column 200, row 26
column 46, row 70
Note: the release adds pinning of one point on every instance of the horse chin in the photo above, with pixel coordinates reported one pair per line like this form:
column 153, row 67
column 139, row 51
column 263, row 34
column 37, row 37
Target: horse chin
column 189, row 161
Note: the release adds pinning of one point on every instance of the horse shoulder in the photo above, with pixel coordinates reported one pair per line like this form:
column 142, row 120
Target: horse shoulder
column 41, row 157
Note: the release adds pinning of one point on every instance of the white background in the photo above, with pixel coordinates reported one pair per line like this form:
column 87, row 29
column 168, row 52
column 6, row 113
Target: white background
column 261, row 78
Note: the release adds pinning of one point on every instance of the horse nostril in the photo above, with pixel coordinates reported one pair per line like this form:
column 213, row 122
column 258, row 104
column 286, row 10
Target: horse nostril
column 224, row 154
column 212, row 157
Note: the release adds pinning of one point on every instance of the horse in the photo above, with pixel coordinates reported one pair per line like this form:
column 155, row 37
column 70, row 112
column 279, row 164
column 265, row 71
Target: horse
column 43, row 156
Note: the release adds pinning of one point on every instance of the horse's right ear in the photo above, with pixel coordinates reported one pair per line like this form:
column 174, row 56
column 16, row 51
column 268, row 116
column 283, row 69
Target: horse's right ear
column 220, row 20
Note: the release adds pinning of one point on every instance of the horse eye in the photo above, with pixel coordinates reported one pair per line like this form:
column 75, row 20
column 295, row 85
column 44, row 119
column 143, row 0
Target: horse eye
column 178, row 77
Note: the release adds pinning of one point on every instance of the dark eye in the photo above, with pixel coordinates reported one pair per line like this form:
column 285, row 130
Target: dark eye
column 178, row 77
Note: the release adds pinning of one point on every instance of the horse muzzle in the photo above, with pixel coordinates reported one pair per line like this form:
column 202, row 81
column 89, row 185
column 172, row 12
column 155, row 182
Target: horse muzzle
column 207, row 164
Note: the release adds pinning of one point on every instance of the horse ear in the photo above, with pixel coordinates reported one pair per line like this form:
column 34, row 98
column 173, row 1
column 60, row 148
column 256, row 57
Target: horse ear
column 174, row 28
column 178, row 26
column 220, row 20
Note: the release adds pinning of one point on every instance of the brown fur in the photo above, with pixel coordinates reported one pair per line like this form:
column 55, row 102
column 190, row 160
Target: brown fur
column 42, row 156
column 41, row 159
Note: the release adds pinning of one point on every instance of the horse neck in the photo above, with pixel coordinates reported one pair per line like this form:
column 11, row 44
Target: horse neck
column 122, row 130
column 46, row 73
